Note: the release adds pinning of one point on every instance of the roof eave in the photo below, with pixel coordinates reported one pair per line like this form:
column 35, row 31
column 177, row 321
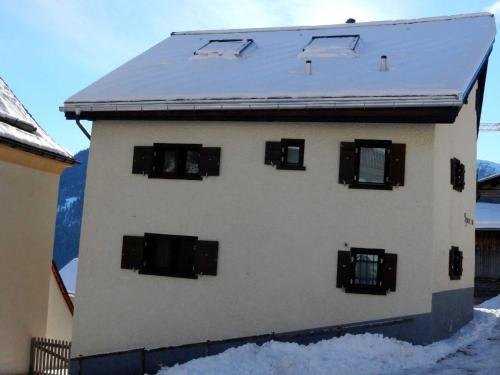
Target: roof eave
column 434, row 114
column 38, row 151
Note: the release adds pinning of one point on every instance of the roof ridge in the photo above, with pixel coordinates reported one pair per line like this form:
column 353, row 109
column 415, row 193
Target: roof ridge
column 341, row 25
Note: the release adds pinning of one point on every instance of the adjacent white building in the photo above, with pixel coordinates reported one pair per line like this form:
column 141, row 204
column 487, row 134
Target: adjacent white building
column 305, row 179
column 32, row 301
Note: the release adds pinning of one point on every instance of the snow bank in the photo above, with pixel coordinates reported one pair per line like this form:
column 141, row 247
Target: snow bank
column 347, row 355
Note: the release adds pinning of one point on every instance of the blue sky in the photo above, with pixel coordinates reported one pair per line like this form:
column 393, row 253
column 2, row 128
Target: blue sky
column 52, row 49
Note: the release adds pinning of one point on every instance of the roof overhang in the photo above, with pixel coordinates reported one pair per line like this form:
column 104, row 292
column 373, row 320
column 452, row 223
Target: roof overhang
column 443, row 109
column 37, row 151
column 416, row 115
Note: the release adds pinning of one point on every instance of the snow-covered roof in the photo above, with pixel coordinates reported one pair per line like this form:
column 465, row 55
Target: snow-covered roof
column 68, row 274
column 431, row 62
column 487, row 215
column 488, row 178
column 19, row 128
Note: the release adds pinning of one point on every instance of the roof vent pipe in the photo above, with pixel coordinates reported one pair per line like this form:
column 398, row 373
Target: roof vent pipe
column 350, row 20
column 308, row 68
column 383, row 63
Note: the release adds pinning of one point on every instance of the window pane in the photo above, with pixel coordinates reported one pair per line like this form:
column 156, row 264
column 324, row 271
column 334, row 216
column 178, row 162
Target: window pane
column 372, row 165
column 192, row 162
column 366, row 269
column 293, row 155
column 169, row 161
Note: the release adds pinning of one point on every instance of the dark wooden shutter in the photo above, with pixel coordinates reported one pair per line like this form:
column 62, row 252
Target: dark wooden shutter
column 273, row 153
column 143, row 160
column 389, row 268
column 457, row 174
column 453, row 171
column 455, row 263
column 343, row 269
column 185, row 259
column 461, row 177
column 347, row 165
column 206, row 257
column 132, row 252
column 210, row 161
column 397, row 164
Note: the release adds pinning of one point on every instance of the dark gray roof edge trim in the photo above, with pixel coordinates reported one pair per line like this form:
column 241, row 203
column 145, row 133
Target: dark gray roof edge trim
column 37, row 151
column 476, row 74
column 341, row 25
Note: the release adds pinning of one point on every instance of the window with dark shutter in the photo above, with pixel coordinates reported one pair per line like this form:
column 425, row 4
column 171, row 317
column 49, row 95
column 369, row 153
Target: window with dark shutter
column 286, row 154
column 170, row 255
column 372, row 164
column 455, row 263
column 176, row 161
column 457, row 174
column 366, row 271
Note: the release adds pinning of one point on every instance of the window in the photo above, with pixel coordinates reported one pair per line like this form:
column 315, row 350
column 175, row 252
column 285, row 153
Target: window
column 228, row 48
column 330, row 46
column 457, row 178
column 176, row 161
column 170, row 255
column 367, row 271
column 455, row 263
column 179, row 161
column 286, row 154
column 372, row 164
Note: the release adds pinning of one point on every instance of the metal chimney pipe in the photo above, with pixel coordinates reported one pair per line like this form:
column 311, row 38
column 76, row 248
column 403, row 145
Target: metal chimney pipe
column 308, row 68
column 383, row 64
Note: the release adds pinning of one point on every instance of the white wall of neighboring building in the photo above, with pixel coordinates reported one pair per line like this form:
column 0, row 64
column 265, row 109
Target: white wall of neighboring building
column 28, row 199
column 59, row 317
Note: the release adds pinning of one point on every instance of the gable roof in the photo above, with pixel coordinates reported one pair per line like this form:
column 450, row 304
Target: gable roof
column 433, row 63
column 487, row 216
column 19, row 129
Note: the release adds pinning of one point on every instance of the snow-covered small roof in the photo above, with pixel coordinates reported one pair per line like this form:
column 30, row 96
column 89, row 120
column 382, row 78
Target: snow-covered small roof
column 431, row 62
column 19, row 128
column 488, row 178
column 487, row 215
column 68, row 274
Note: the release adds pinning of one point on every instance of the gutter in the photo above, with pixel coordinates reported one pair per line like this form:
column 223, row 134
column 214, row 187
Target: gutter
column 259, row 104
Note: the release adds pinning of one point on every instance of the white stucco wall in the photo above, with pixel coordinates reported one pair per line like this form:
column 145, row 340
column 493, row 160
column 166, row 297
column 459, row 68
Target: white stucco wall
column 279, row 232
column 27, row 218
column 59, row 317
column 456, row 140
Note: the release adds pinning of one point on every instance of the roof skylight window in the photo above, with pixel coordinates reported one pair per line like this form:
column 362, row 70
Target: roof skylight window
column 330, row 46
column 226, row 48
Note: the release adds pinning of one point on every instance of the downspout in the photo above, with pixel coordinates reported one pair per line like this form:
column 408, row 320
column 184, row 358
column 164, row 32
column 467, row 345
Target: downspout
column 82, row 128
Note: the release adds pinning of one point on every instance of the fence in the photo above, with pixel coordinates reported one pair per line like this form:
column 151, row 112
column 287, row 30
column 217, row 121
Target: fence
column 49, row 356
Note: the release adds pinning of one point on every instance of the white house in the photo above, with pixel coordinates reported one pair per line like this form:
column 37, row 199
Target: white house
column 286, row 183
column 33, row 301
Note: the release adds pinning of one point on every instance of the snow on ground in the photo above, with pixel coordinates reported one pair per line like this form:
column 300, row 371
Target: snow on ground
column 473, row 349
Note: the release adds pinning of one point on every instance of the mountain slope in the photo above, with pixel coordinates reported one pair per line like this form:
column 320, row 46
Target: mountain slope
column 69, row 211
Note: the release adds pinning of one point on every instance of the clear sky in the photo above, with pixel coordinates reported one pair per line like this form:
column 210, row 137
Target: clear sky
column 51, row 49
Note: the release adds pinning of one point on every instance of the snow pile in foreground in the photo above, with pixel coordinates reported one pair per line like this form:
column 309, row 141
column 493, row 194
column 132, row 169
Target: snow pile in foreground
column 349, row 354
